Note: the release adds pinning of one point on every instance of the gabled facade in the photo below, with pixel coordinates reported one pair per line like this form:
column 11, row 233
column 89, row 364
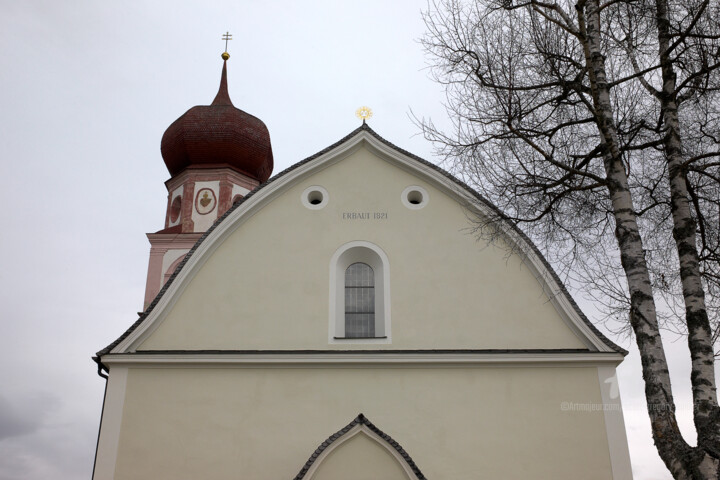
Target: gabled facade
column 351, row 285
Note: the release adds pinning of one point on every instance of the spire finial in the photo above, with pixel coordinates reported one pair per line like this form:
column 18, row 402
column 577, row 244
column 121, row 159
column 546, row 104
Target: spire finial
column 226, row 36
column 223, row 97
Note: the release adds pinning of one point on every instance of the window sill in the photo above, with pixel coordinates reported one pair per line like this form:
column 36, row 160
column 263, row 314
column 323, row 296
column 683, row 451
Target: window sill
column 357, row 338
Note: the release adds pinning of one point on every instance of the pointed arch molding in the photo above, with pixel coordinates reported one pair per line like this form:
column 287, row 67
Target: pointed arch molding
column 360, row 425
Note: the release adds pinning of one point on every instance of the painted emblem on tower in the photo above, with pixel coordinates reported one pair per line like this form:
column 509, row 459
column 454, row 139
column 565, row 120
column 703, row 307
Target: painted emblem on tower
column 205, row 201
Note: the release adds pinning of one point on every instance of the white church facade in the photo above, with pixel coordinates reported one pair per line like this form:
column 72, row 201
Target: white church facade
column 341, row 321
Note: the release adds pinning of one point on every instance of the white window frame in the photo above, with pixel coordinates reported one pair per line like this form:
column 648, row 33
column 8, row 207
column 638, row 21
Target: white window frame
column 346, row 255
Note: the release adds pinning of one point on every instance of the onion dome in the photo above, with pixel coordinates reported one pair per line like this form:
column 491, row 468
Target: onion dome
column 218, row 135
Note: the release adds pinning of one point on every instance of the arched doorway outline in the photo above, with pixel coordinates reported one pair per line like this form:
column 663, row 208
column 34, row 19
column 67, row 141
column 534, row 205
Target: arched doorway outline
column 360, row 425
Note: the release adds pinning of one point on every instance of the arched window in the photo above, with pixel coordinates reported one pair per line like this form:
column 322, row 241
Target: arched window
column 359, row 301
column 359, row 295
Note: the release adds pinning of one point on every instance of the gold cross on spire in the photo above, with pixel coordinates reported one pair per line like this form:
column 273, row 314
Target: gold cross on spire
column 226, row 36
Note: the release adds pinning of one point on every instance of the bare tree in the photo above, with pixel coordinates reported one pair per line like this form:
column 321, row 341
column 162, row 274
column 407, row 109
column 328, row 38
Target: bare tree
column 588, row 119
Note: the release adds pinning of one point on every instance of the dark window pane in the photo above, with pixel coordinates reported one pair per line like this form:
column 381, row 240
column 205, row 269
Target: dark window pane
column 359, row 301
column 359, row 325
column 359, row 275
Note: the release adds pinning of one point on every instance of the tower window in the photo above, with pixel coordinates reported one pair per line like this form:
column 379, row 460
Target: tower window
column 175, row 209
column 359, row 301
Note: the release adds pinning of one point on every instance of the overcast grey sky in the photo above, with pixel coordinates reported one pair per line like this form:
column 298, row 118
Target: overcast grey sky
column 87, row 89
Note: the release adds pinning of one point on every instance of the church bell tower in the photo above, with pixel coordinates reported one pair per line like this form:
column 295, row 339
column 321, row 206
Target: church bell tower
column 215, row 155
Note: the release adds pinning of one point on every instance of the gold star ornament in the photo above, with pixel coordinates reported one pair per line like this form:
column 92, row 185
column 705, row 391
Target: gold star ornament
column 363, row 113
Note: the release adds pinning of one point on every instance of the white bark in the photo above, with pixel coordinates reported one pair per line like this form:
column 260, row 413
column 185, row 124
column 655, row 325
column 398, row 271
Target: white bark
column 528, row 82
column 700, row 343
column 643, row 315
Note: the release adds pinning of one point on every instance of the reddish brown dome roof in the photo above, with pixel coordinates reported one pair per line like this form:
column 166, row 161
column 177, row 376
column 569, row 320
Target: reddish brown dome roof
column 218, row 135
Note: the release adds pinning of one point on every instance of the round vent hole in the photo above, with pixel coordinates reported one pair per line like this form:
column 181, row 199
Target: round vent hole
column 415, row 197
column 315, row 197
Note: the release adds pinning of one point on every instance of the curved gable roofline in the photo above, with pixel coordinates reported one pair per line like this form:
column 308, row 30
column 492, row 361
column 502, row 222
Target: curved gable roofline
column 224, row 225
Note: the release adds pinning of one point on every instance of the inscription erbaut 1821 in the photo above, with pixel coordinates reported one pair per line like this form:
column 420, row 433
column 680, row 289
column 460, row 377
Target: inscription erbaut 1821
column 364, row 216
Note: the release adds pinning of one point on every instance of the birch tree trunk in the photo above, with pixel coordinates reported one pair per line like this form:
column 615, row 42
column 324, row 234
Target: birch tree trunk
column 671, row 446
column 567, row 142
column 706, row 413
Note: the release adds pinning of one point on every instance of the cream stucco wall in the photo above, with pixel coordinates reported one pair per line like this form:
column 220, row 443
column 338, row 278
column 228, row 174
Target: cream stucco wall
column 456, row 423
column 267, row 285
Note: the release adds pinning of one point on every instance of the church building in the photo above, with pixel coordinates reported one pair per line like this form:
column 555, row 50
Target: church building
column 340, row 320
